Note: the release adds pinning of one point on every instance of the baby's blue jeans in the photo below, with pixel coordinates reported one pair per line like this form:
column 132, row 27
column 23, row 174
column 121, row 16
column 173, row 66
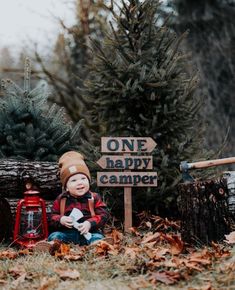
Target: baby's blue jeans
column 74, row 236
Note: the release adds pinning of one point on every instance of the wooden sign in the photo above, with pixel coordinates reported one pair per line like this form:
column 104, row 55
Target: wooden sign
column 130, row 179
column 127, row 144
column 125, row 162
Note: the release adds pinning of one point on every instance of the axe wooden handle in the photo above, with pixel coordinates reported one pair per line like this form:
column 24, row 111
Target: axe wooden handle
column 210, row 163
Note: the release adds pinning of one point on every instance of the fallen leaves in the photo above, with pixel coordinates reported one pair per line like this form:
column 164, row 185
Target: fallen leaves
column 12, row 254
column 68, row 274
column 18, row 281
column 117, row 236
column 177, row 245
column 160, row 224
column 161, row 257
column 8, row 254
column 104, row 248
column 47, row 283
column 150, row 237
column 167, row 277
column 19, row 273
column 17, row 270
column 131, row 252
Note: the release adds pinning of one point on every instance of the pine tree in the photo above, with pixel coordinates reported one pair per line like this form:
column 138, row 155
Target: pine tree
column 139, row 86
column 29, row 127
column 211, row 41
column 67, row 67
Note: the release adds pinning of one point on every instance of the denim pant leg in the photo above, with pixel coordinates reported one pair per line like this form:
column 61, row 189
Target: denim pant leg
column 67, row 236
column 95, row 237
column 73, row 236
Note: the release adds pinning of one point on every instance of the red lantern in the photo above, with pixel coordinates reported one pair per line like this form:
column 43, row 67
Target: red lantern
column 31, row 220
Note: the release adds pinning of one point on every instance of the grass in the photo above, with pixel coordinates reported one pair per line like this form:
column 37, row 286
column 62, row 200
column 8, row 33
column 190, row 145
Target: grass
column 109, row 266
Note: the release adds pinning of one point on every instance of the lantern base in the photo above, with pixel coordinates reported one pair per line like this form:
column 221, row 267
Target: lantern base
column 29, row 244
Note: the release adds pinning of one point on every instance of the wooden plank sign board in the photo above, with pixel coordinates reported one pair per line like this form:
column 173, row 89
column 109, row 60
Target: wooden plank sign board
column 130, row 179
column 127, row 144
column 126, row 162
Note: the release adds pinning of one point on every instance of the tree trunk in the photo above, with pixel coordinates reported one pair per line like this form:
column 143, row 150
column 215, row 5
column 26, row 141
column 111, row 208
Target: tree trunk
column 14, row 174
column 204, row 211
column 230, row 178
column 6, row 220
column 211, row 41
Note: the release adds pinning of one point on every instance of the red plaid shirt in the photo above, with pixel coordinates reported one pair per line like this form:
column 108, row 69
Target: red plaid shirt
column 81, row 203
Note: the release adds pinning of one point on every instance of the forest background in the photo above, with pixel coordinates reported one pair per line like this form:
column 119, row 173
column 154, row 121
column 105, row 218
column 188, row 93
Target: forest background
column 210, row 45
column 173, row 65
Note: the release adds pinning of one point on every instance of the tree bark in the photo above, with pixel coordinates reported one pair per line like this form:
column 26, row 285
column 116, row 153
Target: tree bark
column 6, row 220
column 204, row 211
column 14, row 174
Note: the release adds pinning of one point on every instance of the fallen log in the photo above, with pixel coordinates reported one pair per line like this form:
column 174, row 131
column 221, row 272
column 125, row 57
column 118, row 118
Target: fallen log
column 14, row 174
column 6, row 220
column 13, row 204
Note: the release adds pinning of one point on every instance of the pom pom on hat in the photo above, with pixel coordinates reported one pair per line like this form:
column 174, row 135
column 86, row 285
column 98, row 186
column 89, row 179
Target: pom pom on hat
column 71, row 163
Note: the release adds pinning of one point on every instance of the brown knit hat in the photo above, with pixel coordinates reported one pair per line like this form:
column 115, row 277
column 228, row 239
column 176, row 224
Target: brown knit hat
column 71, row 163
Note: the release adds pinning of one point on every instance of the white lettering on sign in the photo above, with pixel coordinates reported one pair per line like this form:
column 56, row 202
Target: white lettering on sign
column 128, row 179
column 127, row 144
column 126, row 162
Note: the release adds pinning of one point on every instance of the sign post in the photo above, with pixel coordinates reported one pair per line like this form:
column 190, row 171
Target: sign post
column 127, row 205
column 127, row 162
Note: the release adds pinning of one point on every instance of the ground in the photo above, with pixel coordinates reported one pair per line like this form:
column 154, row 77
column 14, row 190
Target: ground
column 150, row 257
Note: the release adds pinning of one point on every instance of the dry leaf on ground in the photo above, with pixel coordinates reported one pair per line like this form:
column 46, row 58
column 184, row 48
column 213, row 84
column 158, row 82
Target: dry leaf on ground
column 156, row 254
column 163, row 224
column 8, row 254
column 64, row 249
column 73, row 257
column 25, row 252
column 46, row 282
column 17, row 270
column 148, row 224
column 18, row 281
column 134, row 231
column 166, row 277
column 220, row 251
column 131, row 252
column 68, row 274
column 117, row 236
column 104, row 248
column 177, row 245
column 150, row 237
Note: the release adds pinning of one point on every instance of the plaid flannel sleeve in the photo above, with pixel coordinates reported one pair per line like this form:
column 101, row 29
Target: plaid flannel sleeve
column 55, row 215
column 101, row 213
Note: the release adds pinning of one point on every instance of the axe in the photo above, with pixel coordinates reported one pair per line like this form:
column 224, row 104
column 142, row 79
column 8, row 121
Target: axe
column 185, row 166
column 76, row 215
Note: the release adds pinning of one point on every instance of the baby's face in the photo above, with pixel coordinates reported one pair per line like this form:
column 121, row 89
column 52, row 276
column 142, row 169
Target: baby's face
column 78, row 185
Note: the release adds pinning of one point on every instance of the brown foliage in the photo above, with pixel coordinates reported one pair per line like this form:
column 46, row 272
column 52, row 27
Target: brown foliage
column 162, row 257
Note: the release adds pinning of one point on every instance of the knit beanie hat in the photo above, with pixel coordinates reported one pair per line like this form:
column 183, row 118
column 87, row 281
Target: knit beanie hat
column 71, row 163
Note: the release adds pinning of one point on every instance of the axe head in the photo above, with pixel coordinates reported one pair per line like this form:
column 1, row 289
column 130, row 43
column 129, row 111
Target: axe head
column 184, row 168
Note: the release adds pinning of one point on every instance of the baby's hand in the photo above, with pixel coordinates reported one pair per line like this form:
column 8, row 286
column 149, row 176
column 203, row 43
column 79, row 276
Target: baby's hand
column 84, row 227
column 66, row 221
